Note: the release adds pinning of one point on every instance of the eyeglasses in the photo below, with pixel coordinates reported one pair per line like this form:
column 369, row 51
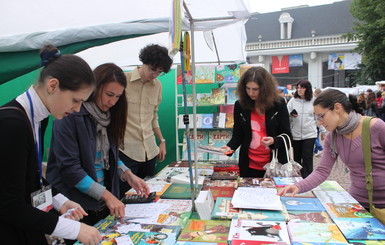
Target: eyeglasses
column 321, row 117
column 156, row 72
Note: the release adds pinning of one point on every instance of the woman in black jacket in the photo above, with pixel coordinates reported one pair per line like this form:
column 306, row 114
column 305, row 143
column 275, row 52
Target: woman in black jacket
column 260, row 115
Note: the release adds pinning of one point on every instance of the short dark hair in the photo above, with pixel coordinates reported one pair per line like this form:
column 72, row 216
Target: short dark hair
column 72, row 71
column 308, row 92
column 267, row 89
column 104, row 74
column 156, row 56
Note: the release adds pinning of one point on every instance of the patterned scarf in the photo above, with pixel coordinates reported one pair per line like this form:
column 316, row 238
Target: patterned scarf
column 349, row 126
column 102, row 120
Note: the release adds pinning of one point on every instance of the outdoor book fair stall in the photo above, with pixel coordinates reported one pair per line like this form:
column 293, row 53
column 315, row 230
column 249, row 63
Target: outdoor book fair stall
column 205, row 202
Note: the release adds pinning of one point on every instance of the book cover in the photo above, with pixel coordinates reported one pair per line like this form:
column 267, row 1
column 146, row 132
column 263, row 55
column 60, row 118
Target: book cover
column 303, row 194
column 229, row 120
column 361, row 229
column 202, row 139
column 257, row 230
column 219, row 138
column 231, row 96
column 250, row 242
column 256, row 182
column 204, row 204
column 320, row 243
column 205, row 231
column 334, row 197
column 218, row 96
column 204, row 73
column 142, row 238
column 219, row 120
column 184, row 178
column 188, row 75
column 256, row 198
column 226, row 166
column 227, row 73
column 207, row 120
column 302, row 204
column 309, row 216
column 315, row 232
column 198, row 121
column 220, row 191
column 346, row 210
column 219, row 183
column 178, row 191
column 223, row 209
column 199, row 243
column 224, row 175
column 284, row 181
column 226, row 108
column 329, row 185
column 203, row 99
column 177, row 205
column 362, row 242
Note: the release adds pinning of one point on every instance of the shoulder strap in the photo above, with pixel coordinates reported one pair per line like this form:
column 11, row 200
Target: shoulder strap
column 366, row 146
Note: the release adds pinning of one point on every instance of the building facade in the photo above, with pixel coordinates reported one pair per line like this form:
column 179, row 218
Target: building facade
column 309, row 37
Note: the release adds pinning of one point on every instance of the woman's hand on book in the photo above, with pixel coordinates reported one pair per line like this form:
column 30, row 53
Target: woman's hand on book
column 293, row 189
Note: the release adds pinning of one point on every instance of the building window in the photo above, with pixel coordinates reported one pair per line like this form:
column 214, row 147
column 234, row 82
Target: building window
column 286, row 22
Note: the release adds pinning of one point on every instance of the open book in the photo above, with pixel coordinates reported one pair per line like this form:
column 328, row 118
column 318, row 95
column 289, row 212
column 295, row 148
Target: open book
column 214, row 150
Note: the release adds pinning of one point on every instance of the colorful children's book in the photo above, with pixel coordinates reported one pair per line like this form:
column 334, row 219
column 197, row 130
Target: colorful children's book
column 256, row 182
column 202, row 139
column 158, row 188
column 315, row 232
column 256, row 198
column 207, row 120
column 257, row 230
column 223, row 209
column 198, row 243
column 205, row 231
column 302, row 204
column 319, row 243
column 329, row 185
column 346, row 210
column 203, row 99
column 284, row 181
column 220, row 191
column 231, row 97
column 205, row 73
column 227, row 73
column 219, row 183
column 225, row 175
column 229, row 120
column 361, row 229
column 362, row 242
column 218, row 96
column 334, row 197
column 178, row 191
column 309, row 216
column 303, row 194
column 217, row 139
column 250, row 242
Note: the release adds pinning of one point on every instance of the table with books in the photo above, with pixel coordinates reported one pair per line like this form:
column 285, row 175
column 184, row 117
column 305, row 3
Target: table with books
column 234, row 210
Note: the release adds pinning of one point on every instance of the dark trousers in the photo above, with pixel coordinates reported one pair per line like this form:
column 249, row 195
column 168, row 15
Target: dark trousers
column 245, row 171
column 140, row 169
column 303, row 154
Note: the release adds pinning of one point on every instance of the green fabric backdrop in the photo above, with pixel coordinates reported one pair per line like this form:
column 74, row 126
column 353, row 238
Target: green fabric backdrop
column 13, row 88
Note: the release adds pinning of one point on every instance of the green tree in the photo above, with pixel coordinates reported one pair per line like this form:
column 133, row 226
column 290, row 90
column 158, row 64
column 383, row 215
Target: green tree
column 369, row 29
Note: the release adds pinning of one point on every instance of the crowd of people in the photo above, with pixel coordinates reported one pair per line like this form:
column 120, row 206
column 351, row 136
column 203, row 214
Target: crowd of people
column 105, row 141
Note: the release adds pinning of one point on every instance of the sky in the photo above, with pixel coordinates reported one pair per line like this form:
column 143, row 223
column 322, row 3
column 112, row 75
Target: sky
column 276, row 5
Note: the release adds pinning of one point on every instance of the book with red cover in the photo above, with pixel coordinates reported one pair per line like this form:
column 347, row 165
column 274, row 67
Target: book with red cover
column 222, row 192
column 225, row 175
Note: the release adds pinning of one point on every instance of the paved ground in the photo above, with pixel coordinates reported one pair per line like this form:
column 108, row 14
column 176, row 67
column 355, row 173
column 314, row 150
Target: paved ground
column 339, row 173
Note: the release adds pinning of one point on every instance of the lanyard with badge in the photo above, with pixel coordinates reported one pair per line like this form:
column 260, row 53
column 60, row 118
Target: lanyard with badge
column 41, row 199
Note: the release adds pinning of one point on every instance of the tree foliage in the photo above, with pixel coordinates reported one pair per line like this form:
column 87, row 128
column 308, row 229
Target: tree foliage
column 369, row 29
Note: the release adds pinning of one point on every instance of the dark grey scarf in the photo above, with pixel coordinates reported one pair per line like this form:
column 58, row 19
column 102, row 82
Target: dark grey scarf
column 102, row 120
column 349, row 126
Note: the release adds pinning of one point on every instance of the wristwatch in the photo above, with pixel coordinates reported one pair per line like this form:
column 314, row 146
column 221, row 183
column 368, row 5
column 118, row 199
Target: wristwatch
column 163, row 140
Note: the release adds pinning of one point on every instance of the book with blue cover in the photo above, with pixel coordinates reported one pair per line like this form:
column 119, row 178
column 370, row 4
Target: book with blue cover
column 227, row 73
column 207, row 120
column 284, row 181
column 361, row 229
column 231, row 97
column 302, row 204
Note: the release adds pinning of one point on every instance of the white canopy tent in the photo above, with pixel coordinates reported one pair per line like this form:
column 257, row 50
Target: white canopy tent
column 31, row 24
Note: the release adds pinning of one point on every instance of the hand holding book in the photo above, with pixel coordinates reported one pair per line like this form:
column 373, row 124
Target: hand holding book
column 215, row 150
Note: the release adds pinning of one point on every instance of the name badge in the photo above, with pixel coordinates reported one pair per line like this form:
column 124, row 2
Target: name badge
column 42, row 199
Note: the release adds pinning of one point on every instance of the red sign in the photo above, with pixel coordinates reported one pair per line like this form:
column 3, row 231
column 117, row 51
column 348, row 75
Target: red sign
column 280, row 64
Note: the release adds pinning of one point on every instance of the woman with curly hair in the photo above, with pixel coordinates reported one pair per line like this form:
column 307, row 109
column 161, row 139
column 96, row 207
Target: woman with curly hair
column 260, row 115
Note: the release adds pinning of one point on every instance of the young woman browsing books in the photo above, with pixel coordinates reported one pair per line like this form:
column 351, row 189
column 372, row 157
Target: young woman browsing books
column 342, row 116
column 65, row 82
column 83, row 162
column 260, row 115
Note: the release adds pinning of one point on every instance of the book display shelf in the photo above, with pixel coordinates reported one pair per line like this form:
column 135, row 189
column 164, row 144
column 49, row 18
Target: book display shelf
column 215, row 98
